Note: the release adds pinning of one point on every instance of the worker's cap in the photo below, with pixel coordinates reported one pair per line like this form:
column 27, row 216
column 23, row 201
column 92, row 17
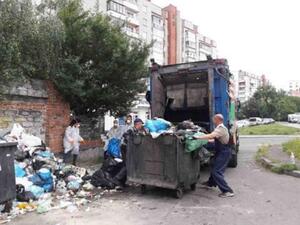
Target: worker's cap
column 138, row 120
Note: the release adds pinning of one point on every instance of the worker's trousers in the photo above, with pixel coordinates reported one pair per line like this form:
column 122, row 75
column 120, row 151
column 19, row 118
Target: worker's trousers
column 222, row 158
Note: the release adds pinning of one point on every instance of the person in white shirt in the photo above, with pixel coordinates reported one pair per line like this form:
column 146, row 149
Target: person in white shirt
column 72, row 140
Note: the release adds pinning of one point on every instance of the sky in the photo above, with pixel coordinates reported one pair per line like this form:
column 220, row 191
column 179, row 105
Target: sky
column 259, row 36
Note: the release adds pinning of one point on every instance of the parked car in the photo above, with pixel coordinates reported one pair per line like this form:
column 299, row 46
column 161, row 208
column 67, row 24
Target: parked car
column 268, row 120
column 253, row 121
column 242, row 123
column 294, row 118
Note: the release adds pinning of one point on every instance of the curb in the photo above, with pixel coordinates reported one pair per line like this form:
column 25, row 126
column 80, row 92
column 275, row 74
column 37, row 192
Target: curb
column 267, row 163
column 269, row 136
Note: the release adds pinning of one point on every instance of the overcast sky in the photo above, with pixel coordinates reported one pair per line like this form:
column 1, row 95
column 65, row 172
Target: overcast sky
column 259, row 36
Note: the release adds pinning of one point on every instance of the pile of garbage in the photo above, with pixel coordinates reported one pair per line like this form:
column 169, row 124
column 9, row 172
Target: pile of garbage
column 44, row 182
column 186, row 131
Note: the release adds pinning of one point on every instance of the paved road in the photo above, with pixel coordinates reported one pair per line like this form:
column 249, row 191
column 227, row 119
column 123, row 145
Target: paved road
column 262, row 198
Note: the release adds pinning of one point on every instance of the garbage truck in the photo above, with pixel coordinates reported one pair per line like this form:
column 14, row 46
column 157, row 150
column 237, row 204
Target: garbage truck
column 193, row 91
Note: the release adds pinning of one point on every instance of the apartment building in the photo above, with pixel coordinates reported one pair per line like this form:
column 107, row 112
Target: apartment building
column 207, row 46
column 294, row 88
column 185, row 42
column 173, row 29
column 247, row 84
column 174, row 40
column 152, row 29
column 189, row 41
column 142, row 18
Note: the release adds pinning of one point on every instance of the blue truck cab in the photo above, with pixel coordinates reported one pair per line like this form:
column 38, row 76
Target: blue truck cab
column 195, row 91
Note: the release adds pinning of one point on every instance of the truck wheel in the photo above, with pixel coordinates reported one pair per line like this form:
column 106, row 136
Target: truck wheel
column 179, row 193
column 233, row 161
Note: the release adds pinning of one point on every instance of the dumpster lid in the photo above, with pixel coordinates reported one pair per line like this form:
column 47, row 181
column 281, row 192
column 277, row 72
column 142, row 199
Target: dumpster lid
column 8, row 144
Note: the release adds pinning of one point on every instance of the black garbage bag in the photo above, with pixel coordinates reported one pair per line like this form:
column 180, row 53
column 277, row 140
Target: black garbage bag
column 22, row 195
column 20, row 155
column 111, row 174
column 99, row 179
column 37, row 164
column 184, row 125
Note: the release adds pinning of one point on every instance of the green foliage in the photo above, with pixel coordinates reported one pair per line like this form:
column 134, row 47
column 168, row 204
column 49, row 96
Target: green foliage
column 292, row 146
column 102, row 68
column 284, row 168
column 29, row 41
column 271, row 129
column 92, row 63
column 262, row 152
column 267, row 102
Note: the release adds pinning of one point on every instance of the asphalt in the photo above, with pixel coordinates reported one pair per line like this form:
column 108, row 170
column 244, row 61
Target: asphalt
column 262, row 198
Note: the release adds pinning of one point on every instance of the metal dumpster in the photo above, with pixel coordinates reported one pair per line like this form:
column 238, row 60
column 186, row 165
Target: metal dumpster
column 161, row 162
column 7, row 174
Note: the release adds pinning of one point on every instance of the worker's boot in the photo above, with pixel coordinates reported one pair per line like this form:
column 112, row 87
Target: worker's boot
column 75, row 159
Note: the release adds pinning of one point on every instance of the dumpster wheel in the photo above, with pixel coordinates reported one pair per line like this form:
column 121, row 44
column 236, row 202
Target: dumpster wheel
column 179, row 193
column 193, row 187
column 7, row 206
column 143, row 189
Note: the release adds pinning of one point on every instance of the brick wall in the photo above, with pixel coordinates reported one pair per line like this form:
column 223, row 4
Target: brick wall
column 39, row 108
column 30, row 115
column 57, row 118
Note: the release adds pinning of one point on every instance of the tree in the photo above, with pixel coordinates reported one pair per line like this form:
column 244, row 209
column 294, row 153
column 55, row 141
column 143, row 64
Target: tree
column 268, row 102
column 29, row 41
column 285, row 106
column 101, row 67
column 92, row 62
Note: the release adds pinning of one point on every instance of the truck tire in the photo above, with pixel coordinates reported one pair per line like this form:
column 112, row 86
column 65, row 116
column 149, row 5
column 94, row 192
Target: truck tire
column 233, row 161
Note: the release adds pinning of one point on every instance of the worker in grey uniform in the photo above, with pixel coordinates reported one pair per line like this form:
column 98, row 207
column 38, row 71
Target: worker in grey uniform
column 222, row 156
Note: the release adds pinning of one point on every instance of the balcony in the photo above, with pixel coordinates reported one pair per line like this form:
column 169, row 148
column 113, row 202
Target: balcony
column 116, row 15
column 133, row 21
column 131, row 33
column 132, row 6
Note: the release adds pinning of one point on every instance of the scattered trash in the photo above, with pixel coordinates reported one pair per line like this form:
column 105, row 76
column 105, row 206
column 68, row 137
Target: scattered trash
column 72, row 208
column 192, row 144
column 22, row 195
column 73, row 185
column 44, row 206
column 292, row 157
column 36, row 191
column 111, row 174
column 113, row 148
column 88, row 187
column 157, row 126
column 19, row 171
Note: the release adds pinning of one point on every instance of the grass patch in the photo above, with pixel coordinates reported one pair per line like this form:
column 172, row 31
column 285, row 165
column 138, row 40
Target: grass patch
column 270, row 129
column 292, row 146
column 284, row 168
column 262, row 152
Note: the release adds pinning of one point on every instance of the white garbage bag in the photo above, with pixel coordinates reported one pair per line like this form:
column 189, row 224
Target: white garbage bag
column 19, row 134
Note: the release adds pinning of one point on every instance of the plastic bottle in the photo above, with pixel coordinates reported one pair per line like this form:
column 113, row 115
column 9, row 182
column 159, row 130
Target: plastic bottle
column 293, row 158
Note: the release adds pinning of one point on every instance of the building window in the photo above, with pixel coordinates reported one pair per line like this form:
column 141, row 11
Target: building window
column 145, row 9
column 145, row 22
column 116, row 7
column 130, row 14
column 144, row 35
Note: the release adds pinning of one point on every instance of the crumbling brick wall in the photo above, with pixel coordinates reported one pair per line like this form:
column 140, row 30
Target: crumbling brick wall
column 57, row 118
column 39, row 108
